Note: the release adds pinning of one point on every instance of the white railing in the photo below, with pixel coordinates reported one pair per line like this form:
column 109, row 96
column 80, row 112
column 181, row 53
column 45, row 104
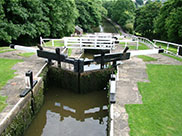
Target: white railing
column 44, row 40
column 167, row 46
column 89, row 43
column 143, row 40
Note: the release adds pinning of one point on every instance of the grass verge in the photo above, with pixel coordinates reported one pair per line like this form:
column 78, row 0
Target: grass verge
column 133, row 47
column 57, row 43
column 161, row 111
column 27, row 54
column 5, row 49
column 6, row 74
column 146, row 58
column 69, row 52
column 174, row 57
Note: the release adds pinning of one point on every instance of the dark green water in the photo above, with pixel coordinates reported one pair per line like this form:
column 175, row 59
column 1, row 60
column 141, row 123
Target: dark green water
column 106, row 26
column 65, row 113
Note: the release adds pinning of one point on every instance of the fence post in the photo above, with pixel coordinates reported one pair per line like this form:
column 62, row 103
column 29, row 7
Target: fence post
column 178, row 50
column 65, row 42
column 41, row 41
column 137, row 44
column 52, row 42
column 167, row 46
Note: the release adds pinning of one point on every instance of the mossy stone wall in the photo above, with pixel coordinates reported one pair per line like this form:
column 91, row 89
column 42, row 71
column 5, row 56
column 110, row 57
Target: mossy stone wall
column 89, row 81
column 25, row 116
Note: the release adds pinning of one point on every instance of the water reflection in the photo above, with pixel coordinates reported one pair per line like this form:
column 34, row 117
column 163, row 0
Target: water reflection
column 69, row 114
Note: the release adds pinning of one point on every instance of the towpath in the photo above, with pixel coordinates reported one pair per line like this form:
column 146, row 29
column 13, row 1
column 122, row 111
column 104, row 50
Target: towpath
column 14, row 86
column 131, row 72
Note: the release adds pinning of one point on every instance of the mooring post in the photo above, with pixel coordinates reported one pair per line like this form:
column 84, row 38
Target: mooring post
column 58, row 55
column 102, row 60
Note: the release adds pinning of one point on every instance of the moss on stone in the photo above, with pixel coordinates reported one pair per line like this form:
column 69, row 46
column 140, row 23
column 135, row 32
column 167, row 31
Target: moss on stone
column 24, row 117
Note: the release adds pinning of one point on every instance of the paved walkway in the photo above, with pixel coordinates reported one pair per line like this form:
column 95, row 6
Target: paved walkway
column 131, row 72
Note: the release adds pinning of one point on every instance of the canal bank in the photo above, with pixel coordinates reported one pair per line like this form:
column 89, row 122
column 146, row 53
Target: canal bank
column 93, row 84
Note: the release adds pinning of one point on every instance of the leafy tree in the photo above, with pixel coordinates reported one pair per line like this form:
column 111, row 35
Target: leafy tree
column 90, row 14
column 169, row 23
column 123, row 13
column 24, row 21
column 62, row 15
column 145, row 16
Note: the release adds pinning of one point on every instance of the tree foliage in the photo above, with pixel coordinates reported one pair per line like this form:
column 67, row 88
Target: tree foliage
column 145, row 16
column 90, row 14
column 122, row 12
column 169, row 23
column 24, row 21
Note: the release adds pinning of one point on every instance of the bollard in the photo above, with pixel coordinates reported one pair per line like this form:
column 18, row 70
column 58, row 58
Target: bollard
column 59, row 57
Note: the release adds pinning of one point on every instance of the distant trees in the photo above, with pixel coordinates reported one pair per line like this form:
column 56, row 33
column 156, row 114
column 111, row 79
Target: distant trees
column 144, row 20
column 164, row 22
column 122, row 12
column 169, row 22
column 90, row 14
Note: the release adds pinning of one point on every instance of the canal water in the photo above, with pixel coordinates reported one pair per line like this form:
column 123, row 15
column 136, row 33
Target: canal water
column 108, row 27
column 105, row 27
column 66, row 113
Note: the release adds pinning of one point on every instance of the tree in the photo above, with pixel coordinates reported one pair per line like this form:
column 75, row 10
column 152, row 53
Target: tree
column 145, row 16
column 123, row 13
column 169, row 24
column 62, row 15
column 24, row 21
column 90, row 14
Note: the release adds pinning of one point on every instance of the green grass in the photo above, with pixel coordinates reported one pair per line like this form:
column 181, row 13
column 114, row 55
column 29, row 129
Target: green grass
column 146, row 58
column 161, row 111
column 5, row 49
column 56, row 44
column 69, row 52
column 28, row 54
column 6, row 74
column 174, row 57
column 171, row 47
column 133, row 47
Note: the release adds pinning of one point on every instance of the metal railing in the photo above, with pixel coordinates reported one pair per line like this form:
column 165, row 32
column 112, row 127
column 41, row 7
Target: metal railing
column 175, row 49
